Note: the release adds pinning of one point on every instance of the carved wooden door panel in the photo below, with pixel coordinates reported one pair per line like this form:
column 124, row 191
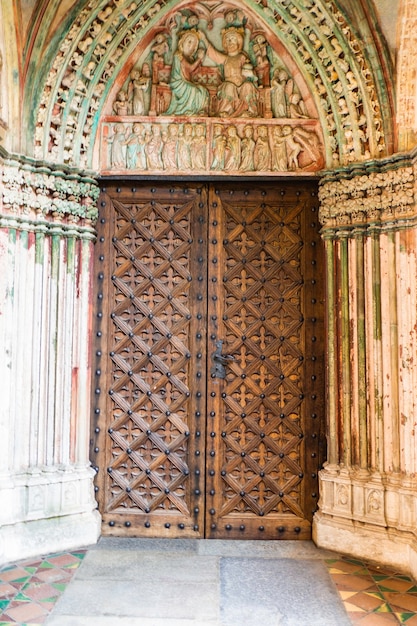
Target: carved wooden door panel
column 208, row 370
column 265, row 305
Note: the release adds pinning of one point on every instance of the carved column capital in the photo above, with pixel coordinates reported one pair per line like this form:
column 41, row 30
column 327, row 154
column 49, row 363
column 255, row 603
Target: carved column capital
column 34, row 193
column 377, row 193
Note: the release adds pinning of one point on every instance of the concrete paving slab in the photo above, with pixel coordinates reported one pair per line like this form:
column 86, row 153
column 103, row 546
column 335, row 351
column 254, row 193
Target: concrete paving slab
column 278, row 592
column 135, row 565
column 264, row 549
column 141, row 582
column 134, row 544
column 125, row 621
column 192, row 601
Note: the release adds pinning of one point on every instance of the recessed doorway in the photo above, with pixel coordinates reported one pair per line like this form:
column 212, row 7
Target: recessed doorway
column 208, row 359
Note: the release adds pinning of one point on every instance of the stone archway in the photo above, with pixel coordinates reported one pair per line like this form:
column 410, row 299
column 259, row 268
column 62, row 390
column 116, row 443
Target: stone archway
column 72, row 88
column 317, row 42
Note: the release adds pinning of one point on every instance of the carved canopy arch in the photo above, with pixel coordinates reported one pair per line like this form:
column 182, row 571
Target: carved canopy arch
column 344, row 101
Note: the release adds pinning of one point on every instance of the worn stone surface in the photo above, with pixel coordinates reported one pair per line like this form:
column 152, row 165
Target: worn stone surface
column 178, row 583
column 278, row 591
column 266, row 549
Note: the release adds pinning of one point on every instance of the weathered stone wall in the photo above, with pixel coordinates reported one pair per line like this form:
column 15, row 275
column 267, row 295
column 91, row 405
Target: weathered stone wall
column 46, row 245
column 368, row 502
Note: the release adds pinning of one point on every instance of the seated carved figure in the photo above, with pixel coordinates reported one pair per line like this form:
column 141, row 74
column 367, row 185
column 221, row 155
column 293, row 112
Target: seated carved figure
column 188, row 98
column 237, row 95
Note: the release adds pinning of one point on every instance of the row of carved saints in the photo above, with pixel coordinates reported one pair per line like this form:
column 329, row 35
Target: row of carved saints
column 222, row 147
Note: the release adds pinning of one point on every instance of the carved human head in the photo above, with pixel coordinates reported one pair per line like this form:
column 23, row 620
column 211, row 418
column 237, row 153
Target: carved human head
column 232, row 39
column 188, row 43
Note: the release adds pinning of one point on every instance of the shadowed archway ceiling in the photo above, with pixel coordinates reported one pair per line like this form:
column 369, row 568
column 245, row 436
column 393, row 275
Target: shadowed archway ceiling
column 97, row 42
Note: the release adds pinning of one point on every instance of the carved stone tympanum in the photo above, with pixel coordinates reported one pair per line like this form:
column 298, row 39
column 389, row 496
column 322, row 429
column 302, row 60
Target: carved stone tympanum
column 209, row 94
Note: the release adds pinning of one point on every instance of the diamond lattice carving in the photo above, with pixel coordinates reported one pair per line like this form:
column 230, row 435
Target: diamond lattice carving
column 191, row 451
column 261, row 305
column 150, row 356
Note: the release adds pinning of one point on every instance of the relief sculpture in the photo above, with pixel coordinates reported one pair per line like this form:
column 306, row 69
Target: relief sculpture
column 188, row 97
column 210, row 95
column 237, row 94
column 204, row 148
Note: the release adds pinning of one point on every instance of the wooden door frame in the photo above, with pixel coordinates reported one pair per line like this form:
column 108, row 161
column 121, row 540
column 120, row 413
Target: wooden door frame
column 156, row 181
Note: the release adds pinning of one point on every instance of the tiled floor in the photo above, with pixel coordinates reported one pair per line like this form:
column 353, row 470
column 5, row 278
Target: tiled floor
column 372, row 595
column 29, row 589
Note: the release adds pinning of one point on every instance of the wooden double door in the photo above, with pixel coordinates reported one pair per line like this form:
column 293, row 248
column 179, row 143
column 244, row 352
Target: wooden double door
column 208, row 359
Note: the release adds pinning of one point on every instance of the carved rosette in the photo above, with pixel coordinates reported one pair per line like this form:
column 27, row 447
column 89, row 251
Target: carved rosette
column 384, row 193
column 31, row 191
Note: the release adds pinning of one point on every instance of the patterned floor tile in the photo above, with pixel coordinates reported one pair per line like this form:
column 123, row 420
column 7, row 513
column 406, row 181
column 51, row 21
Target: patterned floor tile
column 372, row 619
column 402, row 601
column 6, row 591
column 26, row 612
column 52, row 575
column 30, row 589
column 40, row 591
column 350, row 582
column 367, row 601
column 392, row 598
column 14, row 574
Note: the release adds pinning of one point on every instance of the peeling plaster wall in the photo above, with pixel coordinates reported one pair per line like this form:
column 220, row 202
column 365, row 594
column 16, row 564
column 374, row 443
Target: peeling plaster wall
column 368, row 500
column 387, row 11
column 46, row 248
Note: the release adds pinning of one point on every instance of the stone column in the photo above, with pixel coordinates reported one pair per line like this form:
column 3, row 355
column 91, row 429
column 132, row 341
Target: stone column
column 368, row 503
column 46, row 249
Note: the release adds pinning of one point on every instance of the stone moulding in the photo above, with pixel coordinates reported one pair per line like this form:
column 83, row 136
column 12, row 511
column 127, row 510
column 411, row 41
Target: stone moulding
column 368, row 512
column 38, row 190
column 379, row 192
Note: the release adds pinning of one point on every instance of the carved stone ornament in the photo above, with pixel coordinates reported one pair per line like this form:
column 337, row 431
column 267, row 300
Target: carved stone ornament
column 374, row 502
column 381, row 193
column 132, row 61
column 342, row 496
column 29, row 191
column 210, row 97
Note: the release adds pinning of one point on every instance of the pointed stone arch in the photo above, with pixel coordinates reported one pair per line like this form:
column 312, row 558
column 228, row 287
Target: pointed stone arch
column 102, row 44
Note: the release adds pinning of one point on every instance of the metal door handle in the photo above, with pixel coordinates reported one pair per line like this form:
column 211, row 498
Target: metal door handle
column 220, row 360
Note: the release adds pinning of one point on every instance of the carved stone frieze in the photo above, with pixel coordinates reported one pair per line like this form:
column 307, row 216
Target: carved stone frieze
column 383, row 192
column 192, row 79
column 29, row 190
column 206, row 146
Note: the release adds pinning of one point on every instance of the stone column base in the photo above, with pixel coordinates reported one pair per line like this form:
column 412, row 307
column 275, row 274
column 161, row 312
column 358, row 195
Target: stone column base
column 47, row 511
column 31, row 539
column 393, row 549
column 368, row 516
